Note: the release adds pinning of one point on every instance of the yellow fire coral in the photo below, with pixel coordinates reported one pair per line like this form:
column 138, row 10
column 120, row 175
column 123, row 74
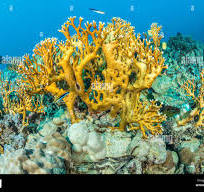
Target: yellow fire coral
column 190, row 89
column 125, row 56
column 5, row 91
column 22, row 102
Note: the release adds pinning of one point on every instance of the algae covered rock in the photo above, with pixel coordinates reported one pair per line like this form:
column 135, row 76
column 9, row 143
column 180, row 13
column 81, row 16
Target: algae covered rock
column 48, row 129
column 60, row 121
column 47, row 155
column 167, row 167
column 152, row 150
column 117, row 143
column 157, row 152
column 11, row 163
column 193, row 161
column 166, row 91
column 193, row 145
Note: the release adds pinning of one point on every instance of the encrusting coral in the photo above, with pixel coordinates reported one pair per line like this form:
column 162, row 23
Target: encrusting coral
column 131, row 65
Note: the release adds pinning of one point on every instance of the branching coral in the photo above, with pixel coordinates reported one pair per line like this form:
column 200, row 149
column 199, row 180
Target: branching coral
column 16, row 100
column 5, row 91
column 146, row 116
column 190, row 89
column 124, row 55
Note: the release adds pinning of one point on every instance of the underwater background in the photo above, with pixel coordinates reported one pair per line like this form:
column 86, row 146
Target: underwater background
column 25, row 23
column 123, row 94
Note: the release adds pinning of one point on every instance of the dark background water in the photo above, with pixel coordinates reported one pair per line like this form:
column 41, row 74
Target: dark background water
column 26, row 22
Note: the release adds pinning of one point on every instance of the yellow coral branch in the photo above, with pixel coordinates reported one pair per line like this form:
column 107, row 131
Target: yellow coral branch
column 190, row 88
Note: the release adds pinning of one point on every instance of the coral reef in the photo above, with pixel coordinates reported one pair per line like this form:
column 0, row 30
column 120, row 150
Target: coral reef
column 92, row 150
column 184, row 58
column 74, row 107
column 125, row 55
column 60, row 147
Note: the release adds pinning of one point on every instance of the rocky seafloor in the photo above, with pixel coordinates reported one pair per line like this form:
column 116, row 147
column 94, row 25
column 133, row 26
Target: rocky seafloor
column 87, row 147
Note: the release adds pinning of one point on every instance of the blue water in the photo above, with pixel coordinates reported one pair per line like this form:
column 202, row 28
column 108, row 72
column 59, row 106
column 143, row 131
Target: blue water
column 25, row 22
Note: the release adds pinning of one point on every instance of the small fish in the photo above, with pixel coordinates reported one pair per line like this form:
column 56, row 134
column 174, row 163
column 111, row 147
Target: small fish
column 164, row 45
column 61, row 97
column 97, row 11
column 150, row 33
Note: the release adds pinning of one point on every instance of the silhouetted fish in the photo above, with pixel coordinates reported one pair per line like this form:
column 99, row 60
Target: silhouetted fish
column 97, row 11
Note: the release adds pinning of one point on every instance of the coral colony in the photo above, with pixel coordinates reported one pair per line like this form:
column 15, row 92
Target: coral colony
column 116, row 45
column 103, row 98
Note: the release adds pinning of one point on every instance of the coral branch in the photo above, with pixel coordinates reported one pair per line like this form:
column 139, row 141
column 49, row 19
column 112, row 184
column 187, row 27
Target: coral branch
column 189, row 87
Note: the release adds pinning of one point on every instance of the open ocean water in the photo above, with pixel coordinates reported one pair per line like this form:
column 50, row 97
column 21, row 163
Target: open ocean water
column 25, row 23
